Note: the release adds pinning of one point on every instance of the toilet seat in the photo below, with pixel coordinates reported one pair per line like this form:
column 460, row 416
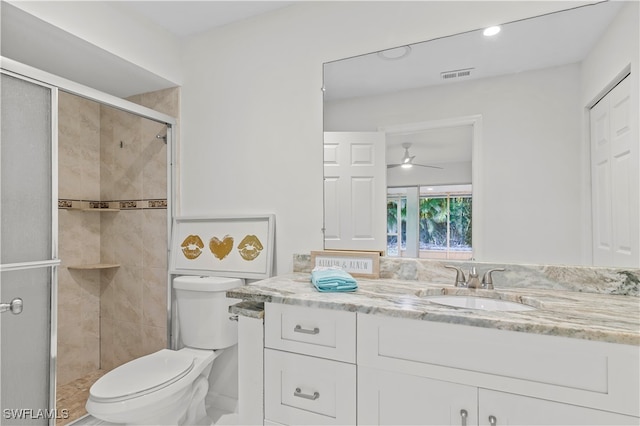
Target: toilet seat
column 142, row 376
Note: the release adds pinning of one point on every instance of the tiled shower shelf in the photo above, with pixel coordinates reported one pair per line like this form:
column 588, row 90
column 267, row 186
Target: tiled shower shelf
column 95, row 266
column 97, row 210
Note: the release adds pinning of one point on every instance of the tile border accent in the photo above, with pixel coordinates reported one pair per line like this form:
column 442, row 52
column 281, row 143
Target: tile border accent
column 70, row 204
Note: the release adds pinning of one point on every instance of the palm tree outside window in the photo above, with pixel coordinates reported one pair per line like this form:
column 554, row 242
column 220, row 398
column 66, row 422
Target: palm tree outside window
column 445, row 219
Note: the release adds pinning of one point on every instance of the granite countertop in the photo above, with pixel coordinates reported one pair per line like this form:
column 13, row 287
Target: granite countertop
column 589, row 316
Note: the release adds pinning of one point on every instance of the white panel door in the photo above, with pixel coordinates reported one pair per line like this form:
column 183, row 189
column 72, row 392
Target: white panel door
column 354, row 191
column 615, row 182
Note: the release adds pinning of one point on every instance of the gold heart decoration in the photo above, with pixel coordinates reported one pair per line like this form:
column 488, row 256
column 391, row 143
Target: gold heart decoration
column 221, row 249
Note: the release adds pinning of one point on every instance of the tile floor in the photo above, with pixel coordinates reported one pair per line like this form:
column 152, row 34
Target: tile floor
column 73, row 395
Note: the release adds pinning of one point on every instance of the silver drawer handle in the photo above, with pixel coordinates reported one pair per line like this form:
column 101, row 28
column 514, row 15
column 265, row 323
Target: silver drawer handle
column 299, row 394
column 299, row 329
column 463, row 415
column 15, row 306
column 493, row 421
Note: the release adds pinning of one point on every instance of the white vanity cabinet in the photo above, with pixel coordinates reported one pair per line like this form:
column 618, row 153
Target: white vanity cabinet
column 309, row 366
column 421, row 372
column 335, row 367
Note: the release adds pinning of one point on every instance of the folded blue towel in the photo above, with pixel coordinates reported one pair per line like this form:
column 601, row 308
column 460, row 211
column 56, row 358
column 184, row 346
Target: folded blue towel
column 332, row 279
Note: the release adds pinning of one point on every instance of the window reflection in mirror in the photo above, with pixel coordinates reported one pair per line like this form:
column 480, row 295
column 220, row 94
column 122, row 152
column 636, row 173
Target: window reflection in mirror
column 444, row 216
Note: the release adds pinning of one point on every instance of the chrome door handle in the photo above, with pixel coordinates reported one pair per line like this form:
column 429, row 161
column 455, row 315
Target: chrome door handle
column 299, row 394
column 15, row 306
column 493, row 421
column 299, row 329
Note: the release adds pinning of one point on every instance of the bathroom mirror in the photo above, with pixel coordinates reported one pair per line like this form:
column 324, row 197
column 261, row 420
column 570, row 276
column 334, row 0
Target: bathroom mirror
column 503, row 115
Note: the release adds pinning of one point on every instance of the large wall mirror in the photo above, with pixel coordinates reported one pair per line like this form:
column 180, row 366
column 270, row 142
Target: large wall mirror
column 496, row 129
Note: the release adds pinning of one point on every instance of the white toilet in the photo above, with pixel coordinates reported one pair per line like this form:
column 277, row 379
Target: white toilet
column 169, row 387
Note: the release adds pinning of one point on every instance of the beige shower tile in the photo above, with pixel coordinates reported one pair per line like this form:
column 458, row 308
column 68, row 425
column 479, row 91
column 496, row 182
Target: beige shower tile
column 69, row 299
column 108, row 294
column 166, row 101
column 154, row 297
column 127, row 342
column 108, row 236
column 154, row 237
column 128, row 294
column 153, row 339
column 154, row 173
column 107, row 344
column 127, row 239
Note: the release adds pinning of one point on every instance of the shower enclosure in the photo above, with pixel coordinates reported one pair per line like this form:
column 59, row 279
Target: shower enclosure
column 27, row 250
column 30, row 209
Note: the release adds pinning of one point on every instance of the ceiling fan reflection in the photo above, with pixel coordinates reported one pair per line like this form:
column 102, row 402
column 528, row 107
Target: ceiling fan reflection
column 407, row 160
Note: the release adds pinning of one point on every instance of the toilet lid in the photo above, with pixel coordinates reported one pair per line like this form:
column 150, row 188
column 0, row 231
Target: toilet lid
column 142, row 375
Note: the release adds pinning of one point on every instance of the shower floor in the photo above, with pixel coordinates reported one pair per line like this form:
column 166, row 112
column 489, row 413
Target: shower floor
column 72, row 396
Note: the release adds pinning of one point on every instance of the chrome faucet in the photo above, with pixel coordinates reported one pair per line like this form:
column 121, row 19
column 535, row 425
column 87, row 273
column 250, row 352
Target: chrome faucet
column 461, row 281
column 473, row 281
column 487, row 280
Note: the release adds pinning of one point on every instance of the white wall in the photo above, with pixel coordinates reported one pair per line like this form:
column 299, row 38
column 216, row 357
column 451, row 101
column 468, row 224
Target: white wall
column 531, row 153
column 252, row 106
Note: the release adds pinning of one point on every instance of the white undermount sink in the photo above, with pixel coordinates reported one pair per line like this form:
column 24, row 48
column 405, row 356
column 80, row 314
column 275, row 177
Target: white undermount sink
column 481, row 303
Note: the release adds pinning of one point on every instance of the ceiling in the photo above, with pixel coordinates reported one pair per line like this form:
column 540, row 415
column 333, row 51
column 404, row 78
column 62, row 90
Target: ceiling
column 188, row 18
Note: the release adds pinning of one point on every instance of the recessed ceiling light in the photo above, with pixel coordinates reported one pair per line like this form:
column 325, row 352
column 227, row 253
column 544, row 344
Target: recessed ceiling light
column 406, row 165
column 395, row 54
column 491, row 31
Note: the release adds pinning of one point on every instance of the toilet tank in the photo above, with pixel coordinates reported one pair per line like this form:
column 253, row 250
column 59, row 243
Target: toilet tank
column 203, row 311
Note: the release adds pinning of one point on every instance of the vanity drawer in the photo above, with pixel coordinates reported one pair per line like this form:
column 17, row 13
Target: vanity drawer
column 303, row 390
column 318, row 332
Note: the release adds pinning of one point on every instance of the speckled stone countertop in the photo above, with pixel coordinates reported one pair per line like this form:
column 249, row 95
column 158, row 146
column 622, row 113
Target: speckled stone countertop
column 590, row 316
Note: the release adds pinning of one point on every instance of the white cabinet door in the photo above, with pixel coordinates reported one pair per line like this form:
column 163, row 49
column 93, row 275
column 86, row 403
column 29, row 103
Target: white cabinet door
column 355, row 191
column 499, row 408
column 388, row 398
column 615, row 187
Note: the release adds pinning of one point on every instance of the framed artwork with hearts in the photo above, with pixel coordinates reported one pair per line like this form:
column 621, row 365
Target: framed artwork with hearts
column 231, row 246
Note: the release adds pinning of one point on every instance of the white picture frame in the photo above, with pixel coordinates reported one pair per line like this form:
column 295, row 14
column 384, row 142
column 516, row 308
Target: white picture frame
column 229, row 246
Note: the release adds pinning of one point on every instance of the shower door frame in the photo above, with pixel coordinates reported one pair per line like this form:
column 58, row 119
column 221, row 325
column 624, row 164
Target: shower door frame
column 56, row 83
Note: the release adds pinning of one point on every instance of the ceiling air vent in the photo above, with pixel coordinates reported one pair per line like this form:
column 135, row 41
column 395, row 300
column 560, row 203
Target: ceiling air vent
column 450, row 75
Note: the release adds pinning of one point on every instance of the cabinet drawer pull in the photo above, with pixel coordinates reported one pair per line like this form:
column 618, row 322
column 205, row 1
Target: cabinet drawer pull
column 493, row 421
column 299, row 329
column 299, row 394
column 463, row 415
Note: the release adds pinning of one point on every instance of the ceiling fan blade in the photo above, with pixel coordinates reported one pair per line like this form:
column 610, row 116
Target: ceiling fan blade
column 391, row 166
column 425, row 165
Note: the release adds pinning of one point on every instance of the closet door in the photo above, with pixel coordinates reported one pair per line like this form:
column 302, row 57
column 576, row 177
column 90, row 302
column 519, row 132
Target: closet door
column 27, row 251
column 615, row 186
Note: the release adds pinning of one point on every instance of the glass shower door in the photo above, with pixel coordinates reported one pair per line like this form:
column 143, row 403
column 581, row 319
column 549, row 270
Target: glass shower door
column 27, row 252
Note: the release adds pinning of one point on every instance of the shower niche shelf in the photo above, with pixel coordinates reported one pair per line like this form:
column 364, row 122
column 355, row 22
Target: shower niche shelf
column 98, row 210
column 95, row 266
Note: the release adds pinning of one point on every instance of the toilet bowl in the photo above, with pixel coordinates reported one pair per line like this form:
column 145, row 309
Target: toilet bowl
column 169, row 387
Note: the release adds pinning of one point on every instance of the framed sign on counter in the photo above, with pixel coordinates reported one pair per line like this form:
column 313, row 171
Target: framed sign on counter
column 363, row 264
